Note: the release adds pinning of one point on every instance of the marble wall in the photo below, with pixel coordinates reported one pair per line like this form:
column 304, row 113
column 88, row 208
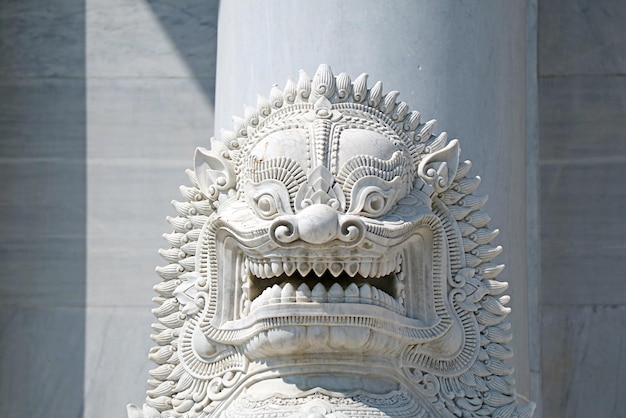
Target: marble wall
column 101, row 105
column 150, row 81
column 43, row 208
column 582, row 115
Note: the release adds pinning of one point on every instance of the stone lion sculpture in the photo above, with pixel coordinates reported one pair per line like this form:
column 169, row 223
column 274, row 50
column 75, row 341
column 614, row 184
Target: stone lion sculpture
column 331, row 260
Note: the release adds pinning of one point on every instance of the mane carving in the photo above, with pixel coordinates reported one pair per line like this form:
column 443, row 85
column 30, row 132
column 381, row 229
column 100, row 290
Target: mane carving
column 331, row 259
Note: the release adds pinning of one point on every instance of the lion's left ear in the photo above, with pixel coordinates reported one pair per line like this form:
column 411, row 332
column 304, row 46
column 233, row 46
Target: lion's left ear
column 439, row 168
column 214, row 172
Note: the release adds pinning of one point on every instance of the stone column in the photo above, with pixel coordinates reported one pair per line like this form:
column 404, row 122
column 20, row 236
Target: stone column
column 463, row 64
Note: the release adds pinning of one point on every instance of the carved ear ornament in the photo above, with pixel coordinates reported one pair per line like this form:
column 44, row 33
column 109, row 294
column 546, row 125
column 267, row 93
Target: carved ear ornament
column 438, row 169
column 214, row 173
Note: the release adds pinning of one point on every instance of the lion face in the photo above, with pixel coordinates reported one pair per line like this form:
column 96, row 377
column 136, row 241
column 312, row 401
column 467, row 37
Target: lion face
column 327, row 244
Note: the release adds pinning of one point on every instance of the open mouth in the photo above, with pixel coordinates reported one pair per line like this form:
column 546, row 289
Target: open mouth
column 273, row 281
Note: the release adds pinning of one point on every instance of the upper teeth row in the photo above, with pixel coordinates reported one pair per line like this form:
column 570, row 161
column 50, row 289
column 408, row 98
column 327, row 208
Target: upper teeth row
column 335, row 294
column 365, row 267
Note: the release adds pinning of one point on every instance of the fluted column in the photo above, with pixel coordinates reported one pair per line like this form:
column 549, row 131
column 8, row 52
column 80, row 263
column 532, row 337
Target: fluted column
column 463, row 64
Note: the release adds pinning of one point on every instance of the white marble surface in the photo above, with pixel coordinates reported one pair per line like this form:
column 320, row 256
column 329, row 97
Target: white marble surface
column 115, row 359
column 465, row 76
column 42, row 232
column 42, row 39
column 582, row 166
column 582, row 37
column 150, row 72
column 584, row 361
column 42, row 357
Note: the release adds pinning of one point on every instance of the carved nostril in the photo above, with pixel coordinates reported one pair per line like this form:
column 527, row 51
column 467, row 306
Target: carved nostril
column 351, row 229
column 284, row 230
column 317, row 224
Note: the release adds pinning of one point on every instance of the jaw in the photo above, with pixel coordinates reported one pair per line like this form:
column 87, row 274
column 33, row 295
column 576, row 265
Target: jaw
column 307, row 299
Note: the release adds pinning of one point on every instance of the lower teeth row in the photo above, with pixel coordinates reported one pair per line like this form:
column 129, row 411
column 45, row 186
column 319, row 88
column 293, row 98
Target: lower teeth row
column 363, row 294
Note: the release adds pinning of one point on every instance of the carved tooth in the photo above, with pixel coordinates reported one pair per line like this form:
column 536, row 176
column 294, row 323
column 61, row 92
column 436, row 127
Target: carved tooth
column 318, row 294
column 254, row 268
column 401, row 299
column 398, row 263
column 260, row 270
column 375, row 296
column 352, row 268
column 336, row 268
column 352, row 293
column 265, row 297
column 398, row 307
column 277, row 268
column 255, row 304
column 247, row 308
column 289, row 268
column 335, row 293
column 319, row 268
column 385, row 299
column 303, row 293
column 288, row 294
column 275, row 294
column 391, row 266
column 365, row 293
column 267, row 267
column 383, row 268
column 304, row 268
column 375, row 271
column 365, row 268
column 250, row 265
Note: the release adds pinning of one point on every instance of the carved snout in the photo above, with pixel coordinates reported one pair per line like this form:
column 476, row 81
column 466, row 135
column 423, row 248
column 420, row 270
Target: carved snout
column 317, row 224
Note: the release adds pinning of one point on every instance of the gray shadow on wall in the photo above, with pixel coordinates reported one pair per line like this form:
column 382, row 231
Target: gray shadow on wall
column 192, row 27
column 43, row 208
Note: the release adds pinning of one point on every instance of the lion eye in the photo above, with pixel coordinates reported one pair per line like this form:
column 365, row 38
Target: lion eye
column 267, row 205
column 374, row 203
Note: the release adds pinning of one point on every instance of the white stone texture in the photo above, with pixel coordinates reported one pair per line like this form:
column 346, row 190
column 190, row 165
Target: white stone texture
column 463, row 64
column 150, row 76
column 42, row 232
column 583, row 37
column 331, row 256
column 582, row 165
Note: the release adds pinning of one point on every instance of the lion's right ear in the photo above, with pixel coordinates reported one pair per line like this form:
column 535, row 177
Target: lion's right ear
column 214, row 171
column 439, row 168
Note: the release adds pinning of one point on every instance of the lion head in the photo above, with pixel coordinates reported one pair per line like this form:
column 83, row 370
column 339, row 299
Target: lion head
column 331, row 256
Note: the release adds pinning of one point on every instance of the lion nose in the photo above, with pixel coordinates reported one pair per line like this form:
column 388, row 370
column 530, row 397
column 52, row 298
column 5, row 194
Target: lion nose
column 317, row 224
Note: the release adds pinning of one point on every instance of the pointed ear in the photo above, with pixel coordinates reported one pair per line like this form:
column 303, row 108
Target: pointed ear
column 439, row 168
column 215, row 173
